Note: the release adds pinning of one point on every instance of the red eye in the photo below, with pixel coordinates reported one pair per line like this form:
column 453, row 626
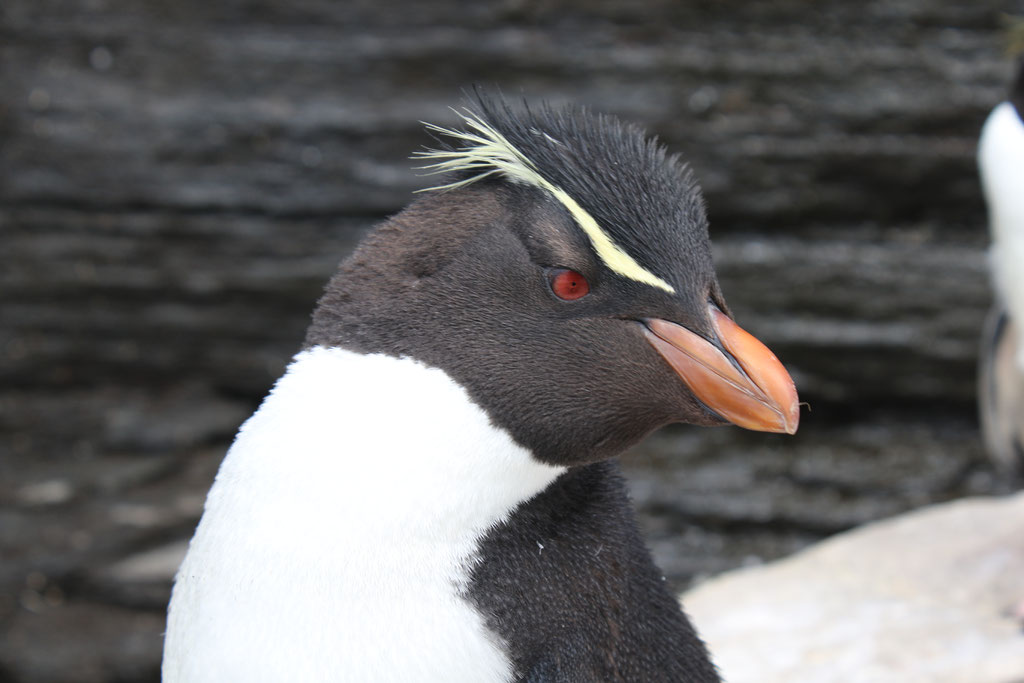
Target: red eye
column 568, row 284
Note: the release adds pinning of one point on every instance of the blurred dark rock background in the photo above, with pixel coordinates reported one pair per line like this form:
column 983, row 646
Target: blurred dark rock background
column 178, row 179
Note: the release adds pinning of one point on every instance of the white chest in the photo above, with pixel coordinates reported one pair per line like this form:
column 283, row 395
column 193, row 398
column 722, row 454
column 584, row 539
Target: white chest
column 341, row 530
column 1001, row 161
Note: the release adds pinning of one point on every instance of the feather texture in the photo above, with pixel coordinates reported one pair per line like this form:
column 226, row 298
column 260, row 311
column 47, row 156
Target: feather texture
column 484, row 152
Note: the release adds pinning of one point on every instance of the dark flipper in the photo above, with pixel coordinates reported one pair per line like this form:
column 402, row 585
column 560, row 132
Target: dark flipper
column 1001, row 392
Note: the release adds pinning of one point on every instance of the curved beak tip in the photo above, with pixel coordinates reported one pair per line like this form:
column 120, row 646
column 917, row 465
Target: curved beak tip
column 746, row 384
column 791, row 417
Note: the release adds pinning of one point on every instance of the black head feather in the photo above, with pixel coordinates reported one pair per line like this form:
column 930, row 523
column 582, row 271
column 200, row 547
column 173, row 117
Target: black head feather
column 638, row 193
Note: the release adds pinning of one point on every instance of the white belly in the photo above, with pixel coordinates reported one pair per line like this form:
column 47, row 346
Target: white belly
column 340, row 533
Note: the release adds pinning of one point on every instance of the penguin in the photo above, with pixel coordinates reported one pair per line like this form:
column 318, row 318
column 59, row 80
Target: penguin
column 1001, row 366
column 430, row 492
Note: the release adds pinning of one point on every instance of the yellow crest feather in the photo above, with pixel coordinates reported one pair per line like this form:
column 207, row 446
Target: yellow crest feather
column 486, row 151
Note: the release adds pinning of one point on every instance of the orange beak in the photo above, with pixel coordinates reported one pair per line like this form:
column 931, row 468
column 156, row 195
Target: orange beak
column 746, row 384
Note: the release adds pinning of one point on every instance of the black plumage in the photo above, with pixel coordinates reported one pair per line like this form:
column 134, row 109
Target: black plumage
column 571, row 588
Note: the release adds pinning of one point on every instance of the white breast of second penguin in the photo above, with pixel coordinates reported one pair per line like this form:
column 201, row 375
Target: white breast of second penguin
column 1001, row 162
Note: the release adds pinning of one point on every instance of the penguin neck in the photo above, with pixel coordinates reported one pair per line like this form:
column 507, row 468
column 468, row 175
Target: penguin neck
column 368, row 444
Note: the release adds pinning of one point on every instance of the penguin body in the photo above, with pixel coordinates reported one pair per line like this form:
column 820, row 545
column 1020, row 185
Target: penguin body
column 428, row 493
column 1001, row 389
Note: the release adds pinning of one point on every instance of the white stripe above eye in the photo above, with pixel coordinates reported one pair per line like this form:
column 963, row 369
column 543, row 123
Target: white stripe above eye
column 486, row 152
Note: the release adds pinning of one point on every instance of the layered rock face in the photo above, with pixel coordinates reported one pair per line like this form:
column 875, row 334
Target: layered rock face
column 178, row 180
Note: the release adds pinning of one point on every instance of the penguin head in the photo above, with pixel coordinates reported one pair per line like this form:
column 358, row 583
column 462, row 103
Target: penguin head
column 563, row 276
column 1017, row 91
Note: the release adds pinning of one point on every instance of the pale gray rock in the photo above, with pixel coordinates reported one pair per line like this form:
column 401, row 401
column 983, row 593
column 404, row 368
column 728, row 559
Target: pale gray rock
column 928, row 596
